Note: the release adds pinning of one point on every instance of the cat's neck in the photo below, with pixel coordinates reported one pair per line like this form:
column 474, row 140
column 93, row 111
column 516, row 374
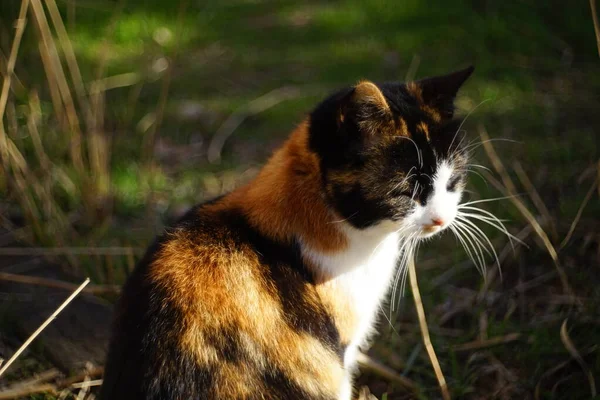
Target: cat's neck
column 285, row 200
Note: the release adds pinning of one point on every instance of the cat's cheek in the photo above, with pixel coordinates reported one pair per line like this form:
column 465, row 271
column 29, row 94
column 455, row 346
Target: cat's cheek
column 412, row 222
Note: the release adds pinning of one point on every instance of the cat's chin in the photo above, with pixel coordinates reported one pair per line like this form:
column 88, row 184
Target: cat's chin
column 429, row 231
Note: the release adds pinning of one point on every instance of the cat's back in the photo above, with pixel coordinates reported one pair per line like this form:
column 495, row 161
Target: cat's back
column 217, row 310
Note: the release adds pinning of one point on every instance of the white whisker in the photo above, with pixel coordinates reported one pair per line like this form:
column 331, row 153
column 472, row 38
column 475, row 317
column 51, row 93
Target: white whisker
column 474, row 146
column 408, row 176
column 480, row 263
column 465, row 119
column 484, row 201
column 406, row 251
column 419, row 155
column 483, row 236
column 415, row 190
column 479, row 166
column 467, row 249
column 477, row 234
column 489, row 219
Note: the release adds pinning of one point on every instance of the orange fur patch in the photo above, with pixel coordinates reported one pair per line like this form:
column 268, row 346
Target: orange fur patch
column 422, row 126
column 285, row 198
column 415, row 91
column 403, row 128
column 215, row 288
column 343, row 311
column 432, row 112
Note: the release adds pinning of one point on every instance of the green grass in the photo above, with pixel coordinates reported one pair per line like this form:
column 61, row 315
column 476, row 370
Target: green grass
column 536, row 83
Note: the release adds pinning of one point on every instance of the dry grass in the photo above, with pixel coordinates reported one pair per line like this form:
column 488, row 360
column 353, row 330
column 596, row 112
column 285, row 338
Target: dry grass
column 414, row 285
column 75, row 121
column 510, row 191
column 596, row 23
column 53, row 383
column 43, row 326
column 35, row 184
column 564, row 336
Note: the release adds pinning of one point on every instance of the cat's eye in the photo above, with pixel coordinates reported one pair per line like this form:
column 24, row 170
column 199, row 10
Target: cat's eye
column 451, row 187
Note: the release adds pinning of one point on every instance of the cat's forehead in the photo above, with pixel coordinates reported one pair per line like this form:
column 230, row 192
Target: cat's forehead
column 409, row 107
column 417, row 123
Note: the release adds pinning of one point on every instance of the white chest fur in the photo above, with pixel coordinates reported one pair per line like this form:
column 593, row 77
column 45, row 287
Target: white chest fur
column 362, row 273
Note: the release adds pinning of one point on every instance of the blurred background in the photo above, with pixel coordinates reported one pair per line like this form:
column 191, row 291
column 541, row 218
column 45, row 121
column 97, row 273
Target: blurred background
column 118, row 115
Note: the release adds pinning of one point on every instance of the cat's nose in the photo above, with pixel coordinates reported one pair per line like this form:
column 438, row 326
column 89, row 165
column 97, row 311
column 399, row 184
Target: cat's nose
column 437, row 221
column 434, row 226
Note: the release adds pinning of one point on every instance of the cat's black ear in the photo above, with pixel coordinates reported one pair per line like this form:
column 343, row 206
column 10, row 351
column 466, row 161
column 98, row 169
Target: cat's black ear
column 366, row 106
column 440, row 91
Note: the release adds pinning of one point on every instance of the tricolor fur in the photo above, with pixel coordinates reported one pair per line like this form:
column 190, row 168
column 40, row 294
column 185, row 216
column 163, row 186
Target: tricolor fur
column 268, row 292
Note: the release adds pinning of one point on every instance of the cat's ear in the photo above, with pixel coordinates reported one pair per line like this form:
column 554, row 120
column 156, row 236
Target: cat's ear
column 366, row 106
column 368, row 94
column 439, row 91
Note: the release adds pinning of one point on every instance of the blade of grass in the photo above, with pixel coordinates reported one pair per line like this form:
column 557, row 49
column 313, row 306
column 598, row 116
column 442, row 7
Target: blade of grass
column 425, row 330
column 99, row 142
column 586, row 199
column 43, row 326
column 536, row 198
column 56, row 251
column 33, row 118
column 56, row 69
column 596, row 23
column 57, row 103
column 84, row 388
column 25, row 392
column 70, row 58
column 34, row 280
column 510, row 189
column 564, row 336
column 482, row 344
column 256, row 106
column 16, row 86
column 384, row 371
column 150, row 137
column 91, row 372
column 90, row 383
column 10, row 67
column 553, row 370
column 598, row 177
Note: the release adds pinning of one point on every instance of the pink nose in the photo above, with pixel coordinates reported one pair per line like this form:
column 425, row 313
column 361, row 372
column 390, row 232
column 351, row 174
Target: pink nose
column 437, row 222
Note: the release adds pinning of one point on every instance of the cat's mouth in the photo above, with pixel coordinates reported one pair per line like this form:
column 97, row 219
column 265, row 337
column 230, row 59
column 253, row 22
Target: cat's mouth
column 431, row 229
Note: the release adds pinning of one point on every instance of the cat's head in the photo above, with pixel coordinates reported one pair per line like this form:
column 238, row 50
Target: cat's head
column 393, row 152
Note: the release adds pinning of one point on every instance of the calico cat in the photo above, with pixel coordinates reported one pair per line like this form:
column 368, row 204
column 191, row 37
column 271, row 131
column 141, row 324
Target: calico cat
column 269, row 291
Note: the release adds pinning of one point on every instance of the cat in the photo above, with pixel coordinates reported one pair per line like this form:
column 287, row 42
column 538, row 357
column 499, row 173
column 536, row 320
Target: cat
column 268, row 292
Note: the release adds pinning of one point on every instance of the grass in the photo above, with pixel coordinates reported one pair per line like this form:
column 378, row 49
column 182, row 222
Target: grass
column 143, row 160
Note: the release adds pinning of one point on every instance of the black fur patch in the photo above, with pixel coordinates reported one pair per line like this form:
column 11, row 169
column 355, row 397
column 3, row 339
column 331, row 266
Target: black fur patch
column 283, row 388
